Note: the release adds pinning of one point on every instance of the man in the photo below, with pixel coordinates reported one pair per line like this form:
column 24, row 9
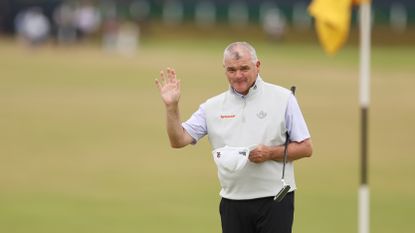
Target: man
column 251, row 112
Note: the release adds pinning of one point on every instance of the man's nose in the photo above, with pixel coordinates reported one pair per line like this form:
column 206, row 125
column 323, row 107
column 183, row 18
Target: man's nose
column 238, row 73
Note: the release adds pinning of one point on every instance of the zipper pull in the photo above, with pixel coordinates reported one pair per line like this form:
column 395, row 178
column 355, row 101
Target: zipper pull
column 243, row 108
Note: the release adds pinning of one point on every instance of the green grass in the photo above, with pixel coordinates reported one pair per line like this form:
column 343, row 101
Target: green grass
column 83, row 146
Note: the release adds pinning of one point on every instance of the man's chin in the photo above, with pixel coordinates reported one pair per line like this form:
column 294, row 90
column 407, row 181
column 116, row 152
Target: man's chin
column 241, row 90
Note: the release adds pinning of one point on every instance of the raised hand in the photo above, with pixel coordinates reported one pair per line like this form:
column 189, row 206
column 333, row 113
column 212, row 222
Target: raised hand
column 169, row 86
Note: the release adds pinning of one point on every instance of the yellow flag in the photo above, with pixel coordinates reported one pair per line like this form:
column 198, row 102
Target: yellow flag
column 332, row 21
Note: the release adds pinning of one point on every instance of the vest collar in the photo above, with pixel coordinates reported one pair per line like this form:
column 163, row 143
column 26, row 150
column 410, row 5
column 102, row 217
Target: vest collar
column 252, row 90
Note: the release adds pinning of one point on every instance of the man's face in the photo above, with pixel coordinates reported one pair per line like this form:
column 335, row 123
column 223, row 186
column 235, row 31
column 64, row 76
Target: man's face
column 241, row 72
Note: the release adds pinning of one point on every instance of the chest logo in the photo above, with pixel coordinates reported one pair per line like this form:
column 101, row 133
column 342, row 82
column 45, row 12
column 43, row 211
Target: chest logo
column 261, row 114
column 227, row 116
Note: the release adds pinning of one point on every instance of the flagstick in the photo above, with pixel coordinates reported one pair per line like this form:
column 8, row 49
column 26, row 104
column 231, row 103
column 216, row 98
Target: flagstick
column 365, row 28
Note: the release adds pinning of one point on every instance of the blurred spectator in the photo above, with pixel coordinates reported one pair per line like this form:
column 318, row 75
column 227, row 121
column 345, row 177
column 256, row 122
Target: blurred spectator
column 119, row 34
column 238, row 14
column 64, row 17
column 88, row 19
column 398, row 17
column 32, row 26
column 110, row 26
column 127, row 39
column 140, row 13
column 273, row 20
column 173, row 12
column 301, row 18
column 140, row 10
column 205, row 13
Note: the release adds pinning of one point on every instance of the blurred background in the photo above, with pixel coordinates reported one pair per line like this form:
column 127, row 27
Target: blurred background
column 83, row 146
column 115, row 22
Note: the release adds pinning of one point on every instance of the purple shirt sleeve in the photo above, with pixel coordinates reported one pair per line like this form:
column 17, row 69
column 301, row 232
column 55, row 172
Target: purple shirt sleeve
column 196, row 126
column 294, row 121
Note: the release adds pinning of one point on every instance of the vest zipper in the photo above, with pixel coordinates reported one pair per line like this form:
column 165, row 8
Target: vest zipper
column 243, row 108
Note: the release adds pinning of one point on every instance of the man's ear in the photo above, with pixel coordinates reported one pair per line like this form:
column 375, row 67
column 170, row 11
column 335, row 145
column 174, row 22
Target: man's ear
column 258, row 64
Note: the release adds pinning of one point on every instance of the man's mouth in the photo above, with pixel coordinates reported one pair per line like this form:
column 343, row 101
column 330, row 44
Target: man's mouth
column 240, row 81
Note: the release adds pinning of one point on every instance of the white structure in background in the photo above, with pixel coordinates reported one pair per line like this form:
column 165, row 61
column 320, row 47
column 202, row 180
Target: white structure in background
column 64, row 17
column 127, row 39
column 205, row 14
column 238, row 14
column 110, row 25
column 32, row 26
column 173, row 12
column 398, row 17
column 263, row 7
column 121, row 37
column 272, row 20
column 301, row 18
column 88, row 19
column 139, row 10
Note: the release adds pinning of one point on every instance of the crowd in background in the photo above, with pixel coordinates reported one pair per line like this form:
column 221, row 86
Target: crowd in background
column 73, row 21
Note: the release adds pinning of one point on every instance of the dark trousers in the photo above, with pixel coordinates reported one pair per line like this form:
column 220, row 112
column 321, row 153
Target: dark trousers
column 262, row 215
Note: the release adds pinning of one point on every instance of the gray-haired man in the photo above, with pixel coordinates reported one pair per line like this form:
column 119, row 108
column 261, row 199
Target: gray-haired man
column 251, row 114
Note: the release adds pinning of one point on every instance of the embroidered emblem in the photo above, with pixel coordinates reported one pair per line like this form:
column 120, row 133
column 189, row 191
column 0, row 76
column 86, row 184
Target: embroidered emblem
column 218, row 154
column 261, row 114
column 242, row 153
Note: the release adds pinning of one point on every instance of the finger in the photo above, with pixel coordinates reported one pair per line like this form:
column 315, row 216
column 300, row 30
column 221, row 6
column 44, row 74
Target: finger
column 168, row 74
column 171, row 75
column 162, row 78
column 158, row 84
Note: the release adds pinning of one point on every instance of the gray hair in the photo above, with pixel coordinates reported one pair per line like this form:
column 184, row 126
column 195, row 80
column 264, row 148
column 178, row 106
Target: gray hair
column 234, row 51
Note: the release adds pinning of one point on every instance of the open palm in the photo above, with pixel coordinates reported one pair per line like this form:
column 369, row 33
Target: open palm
column 169, row 86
